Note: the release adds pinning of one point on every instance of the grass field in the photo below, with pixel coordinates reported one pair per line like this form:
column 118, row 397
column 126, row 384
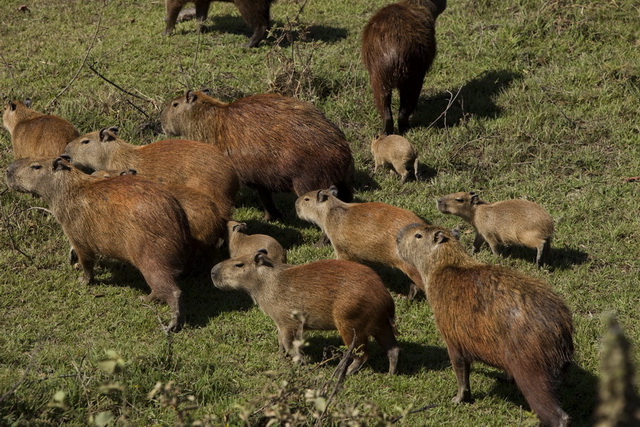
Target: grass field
column 532, row 98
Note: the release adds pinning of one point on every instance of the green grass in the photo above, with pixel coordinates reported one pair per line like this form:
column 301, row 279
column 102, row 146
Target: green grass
column 543, row 104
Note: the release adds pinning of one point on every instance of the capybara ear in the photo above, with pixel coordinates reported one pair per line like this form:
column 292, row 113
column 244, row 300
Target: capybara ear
column 321, row 196
column 108, row 134
column 474, row 198
column 191, row 97
column 333, row 190
column 455, row 233
column 13, row 105
column 65, row 157
column 27, row 102
column 61, row 163
column 129, row 172
column 439, row 237
column 206, row 91
column 261, row 258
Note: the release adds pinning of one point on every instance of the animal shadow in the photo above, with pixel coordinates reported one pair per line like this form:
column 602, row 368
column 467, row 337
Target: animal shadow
column 286, row 236
column 558, row 259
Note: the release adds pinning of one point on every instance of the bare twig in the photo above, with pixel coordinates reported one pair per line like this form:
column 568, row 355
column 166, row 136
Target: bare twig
column 424, row 408
column 452, row 98
column 195, row 56
column 117, row 86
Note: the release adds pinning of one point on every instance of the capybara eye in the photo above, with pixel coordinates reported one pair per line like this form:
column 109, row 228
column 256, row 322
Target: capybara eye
column 36, row 167
column 84, row 141
column 238, row 265
column 418, row 236
column 175, row 104
column 459, row 200
column 306, row 199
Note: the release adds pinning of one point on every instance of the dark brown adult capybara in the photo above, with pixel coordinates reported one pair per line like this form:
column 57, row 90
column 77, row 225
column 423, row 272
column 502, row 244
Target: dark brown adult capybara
column 494, row 315
column 276, row 143
column 34, row 134
column 326, row 295
column 133, row 220
column 256, row 14
column 398, row 47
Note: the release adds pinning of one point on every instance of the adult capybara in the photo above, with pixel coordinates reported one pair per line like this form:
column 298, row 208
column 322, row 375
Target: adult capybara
column 34, row 134
column 397, row 152
column 398, row 47
column 509, row 222
column 256, row 14
column 129, row 219
column 247, row 244
column 275, row 142
column 326, row 295
column 361, row 231
column 494, row 315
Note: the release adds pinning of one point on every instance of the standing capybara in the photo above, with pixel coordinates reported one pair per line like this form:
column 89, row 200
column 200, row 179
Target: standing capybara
column 34, row 134
column 130, row 219
column 397, row 152
column 326, row 295
column 247, row 244
column 256, row 14
column 276, row 143
column 361, row 231
column 494, row 315
column 509, row 222
column 398, row 47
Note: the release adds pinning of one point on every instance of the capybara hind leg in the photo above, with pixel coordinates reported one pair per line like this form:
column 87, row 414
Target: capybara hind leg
column 173, row 10
column 164, row 288
column 387, row 340
column 461, row 367
column 416, row 172
column 538, row 391
column 543, row 253
column 86, row 262
column 387, row 114
column 255, row 15
column 350, row 336
column 202, row 10
column 285, row 340
column 409, row 93
column 271, row 213
column 477, row 243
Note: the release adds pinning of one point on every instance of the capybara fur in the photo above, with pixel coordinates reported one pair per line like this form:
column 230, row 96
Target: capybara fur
column 493, row 315
column 34, row 134
column 326, row 295
column 275, row 142
column 397, row 152
column 129, row 219
column 398, row 47
column 241, row 243
column 509, row 222
column 363, row 232
column 256, row 14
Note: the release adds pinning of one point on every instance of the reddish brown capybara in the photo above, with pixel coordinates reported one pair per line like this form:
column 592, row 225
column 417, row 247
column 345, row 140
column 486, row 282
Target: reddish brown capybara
column 133, row 220
column 494, row 315
column 247, row 244
column 398, row 47
column 326, row 295
column 397, row 152
column 275, row 142
column 256, row 14
column 34, row 134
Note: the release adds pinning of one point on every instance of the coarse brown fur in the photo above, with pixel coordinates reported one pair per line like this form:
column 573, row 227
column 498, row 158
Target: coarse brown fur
column 247, row 244
column 397, row 152
column 276, row 143
column 34, row 134
column 326, row 295
column 398, row 47
column 494, row 315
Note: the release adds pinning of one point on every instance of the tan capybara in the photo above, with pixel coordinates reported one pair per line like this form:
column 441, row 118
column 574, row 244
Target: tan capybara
column 256, row 14
column 361, row 231
column 493, row 315
column 398, row 47
column 275, row 142
column 509, row 222
column 133, row 220
column 34, row 134
column 241, row 243
column 397, row 152
column 326, row 295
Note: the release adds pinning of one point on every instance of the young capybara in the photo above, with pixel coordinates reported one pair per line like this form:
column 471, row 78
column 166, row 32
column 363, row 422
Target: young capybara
column 256, row 14
column 397, row 152
column 361, row 231
column 129, row 219
column 275, row 142
column 247, row 244
column 398, row 47
column 34, row 134
column 494, row 315
column 509, row 222
column 326, row 295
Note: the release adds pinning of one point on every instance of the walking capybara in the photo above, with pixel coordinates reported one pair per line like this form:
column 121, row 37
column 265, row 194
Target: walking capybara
column 326, row 295
column 397, row 152
column 34, row 134
column 398, row 47
column 133, row 220
column 247, row 244
column 361, row 231
column 494, row 315
column 509, row 222
column 275, row 142
column 256, row 14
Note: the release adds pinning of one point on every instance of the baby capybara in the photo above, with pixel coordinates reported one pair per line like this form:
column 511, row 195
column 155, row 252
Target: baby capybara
column 276, row 143
column 494, row 315
column 133, row 220
column 326, row 295
column 397, row 152
column 34, row 134
column 398, row 47
column 241, row 243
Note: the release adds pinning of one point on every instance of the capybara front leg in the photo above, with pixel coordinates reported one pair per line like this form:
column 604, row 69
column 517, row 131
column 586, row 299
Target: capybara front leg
column 461, row 367
column 477, row 243
column 271, row 213
column 387, row 340
column 173, row 10
column 543, row 253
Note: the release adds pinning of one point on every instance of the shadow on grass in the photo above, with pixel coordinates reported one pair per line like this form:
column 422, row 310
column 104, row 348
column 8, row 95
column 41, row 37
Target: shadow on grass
column 559, row 258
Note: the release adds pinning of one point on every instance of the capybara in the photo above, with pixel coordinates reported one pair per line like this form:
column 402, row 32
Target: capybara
column 509, row 222
column 494, row 315
column 34, row 134
column 129, row 219
column 190, row 163
column 275, row 142
column 398, row 47
column 241, row 243
column 361, row 231
column 256, row 14
column 397, row 152
column 326, row 295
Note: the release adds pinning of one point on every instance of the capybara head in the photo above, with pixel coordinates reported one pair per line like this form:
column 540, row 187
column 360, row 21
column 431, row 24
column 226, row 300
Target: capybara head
column 243, row 273
column 314, row 205
column 93, row 149
column 15, row 111
column 176, row 116
column 41, row 177
column 460, row 204
column 426, row 246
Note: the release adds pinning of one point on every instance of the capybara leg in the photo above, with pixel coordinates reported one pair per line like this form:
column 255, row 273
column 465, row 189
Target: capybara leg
column 493, row 244
column 461, row 367
column 323, row 241
column 405, row 177
column 173, row 10
column 285, row 339
column 256, row 15
column 477, row 243
column 387, row 340
column 543, row 253
column 359, row 341
column 164, row 288
column 271, row 213
column 416, row 172
column 86, row 262
column 538, row 391
column 202, row 10
column 409, row 93
column 387, row 114
column 415, row 277
column 73, row 257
